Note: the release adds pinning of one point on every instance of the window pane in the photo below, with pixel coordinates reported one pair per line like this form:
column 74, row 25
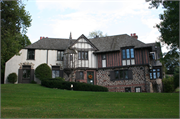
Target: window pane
column 83, row 57
column 81, row 75
column 126, row 74
column 128, row 62
column 57, row 73
column 104, row 57
column 127, row 53
column 62, row 55
column 116, row 74
column 158, row 69
column 79, row 55
column 28, row 73
column 24, row 73
column 124, row 54
column 86, row 55
column 150, row 75
column 121, row 74
column 154, row 75
column 154, row 69
column 158, row 74
column 132, row 53
column 58, row 55
column 53, row 73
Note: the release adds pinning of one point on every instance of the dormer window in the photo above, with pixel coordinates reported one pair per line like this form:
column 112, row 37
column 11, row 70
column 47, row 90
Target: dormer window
column 128, row 56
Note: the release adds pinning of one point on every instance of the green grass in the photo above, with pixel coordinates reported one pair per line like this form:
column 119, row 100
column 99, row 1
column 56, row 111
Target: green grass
column 35, row 101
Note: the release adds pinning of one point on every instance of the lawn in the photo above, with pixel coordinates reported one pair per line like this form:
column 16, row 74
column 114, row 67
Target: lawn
column 35, row 101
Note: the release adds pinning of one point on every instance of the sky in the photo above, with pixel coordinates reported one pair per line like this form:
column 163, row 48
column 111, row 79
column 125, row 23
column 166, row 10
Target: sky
column 57, row 18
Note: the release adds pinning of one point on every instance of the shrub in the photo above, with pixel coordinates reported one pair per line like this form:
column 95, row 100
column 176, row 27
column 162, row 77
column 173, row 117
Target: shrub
column 43, row 71
column 59, row 79
column 12, row 78
column 54, row 83
column 168, row 84
column 33, row 82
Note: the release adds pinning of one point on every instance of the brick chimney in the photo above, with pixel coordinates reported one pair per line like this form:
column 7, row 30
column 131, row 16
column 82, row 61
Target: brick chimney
column 41, row 37
column 134, row 35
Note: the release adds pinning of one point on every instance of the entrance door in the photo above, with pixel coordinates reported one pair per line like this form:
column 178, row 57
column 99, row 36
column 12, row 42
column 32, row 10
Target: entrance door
column 90, row 77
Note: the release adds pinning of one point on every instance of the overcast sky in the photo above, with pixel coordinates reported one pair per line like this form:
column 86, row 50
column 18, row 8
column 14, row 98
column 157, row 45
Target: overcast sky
column 57, row 18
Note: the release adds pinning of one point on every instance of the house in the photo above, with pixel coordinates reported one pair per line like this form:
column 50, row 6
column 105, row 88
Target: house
column 121, row 63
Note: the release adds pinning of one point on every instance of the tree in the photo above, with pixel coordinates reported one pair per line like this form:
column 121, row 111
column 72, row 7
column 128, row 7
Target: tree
column 14, row 23
column 169, row 29
column 95, row 34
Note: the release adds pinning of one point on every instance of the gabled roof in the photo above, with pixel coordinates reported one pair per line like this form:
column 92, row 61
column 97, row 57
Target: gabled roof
column 114, row 43
column 84, row 37
column 51, row 44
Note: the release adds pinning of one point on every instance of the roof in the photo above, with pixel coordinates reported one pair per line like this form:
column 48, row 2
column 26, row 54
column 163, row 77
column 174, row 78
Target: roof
column 103, row 44
column 51, row 44
column 114, row 43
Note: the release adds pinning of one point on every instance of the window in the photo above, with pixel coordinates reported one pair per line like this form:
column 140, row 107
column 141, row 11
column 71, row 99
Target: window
column 71, row 57
column 128, row 56
column 103, row 60
column 60, row 55
column 30, row 54
column 153, row 55
column 56, row 72
column 137, row 89
column 128, row 89
column 79, row 75
column 155, row 73
column 26, row 72
column 83, row 55
column 121, row 75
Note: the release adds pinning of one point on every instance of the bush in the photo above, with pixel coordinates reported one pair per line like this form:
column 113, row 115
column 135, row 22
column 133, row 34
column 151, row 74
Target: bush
column 58, row 78
column 33, row 82
column 54, row 83
column 12, row 78
column 168, row 84
column 43, row 71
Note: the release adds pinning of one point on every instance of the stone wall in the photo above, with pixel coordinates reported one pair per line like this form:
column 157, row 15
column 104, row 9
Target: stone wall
column 140, row 79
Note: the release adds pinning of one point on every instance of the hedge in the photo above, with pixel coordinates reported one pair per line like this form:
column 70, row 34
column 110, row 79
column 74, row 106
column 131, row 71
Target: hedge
column 43, row 71
column 12, row 78
column 55, row 83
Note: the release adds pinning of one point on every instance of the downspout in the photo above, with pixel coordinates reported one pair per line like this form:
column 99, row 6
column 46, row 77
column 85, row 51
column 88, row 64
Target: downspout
column 47, row 58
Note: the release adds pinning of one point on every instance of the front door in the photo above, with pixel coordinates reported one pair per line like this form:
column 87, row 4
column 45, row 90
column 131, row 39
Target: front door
column 90, row 77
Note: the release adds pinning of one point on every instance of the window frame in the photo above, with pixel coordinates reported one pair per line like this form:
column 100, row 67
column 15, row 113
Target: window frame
column 29, row 56
column 59, row 56
column 154, row 71
column 125, row 54
column 26, row 67
column 57, row 68
column 80, row 55
column 124, row 73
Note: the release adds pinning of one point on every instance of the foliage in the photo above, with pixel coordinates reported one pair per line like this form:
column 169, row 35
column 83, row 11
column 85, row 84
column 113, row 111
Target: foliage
column 12, row 78
column 168, row 84
column 33, row 82
column 58, row 78
column 14, row 23
column 169, row 29
column 95, row 34
column 36, row 101
column 43, row 71
column 76, row 85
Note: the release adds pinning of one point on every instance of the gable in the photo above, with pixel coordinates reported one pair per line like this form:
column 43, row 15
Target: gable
column 83, row 43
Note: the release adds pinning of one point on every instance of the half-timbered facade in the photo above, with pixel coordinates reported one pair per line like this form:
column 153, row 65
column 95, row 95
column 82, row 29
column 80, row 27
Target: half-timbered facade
column 121, row 63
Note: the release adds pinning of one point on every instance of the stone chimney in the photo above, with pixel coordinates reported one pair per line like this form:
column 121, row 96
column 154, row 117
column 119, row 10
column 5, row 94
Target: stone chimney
column 134, row 35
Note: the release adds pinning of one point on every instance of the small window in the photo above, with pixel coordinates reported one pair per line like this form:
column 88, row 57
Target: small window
column 31, row 54
column 83, row 55
column 79, row 75
column 128, row 56
column 60, row 55
column 103, row 57
column 155, row 73
column 56, row 72
column 71, row 57
column 138, row 89
column 128, row 89
column 121, row 75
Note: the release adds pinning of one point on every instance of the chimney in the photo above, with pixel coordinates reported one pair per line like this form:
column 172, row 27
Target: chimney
column 134, row 36
column 40, row 37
